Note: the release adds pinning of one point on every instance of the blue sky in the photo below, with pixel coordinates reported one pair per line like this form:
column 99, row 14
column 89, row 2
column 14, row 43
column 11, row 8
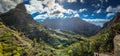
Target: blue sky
column 93, row 11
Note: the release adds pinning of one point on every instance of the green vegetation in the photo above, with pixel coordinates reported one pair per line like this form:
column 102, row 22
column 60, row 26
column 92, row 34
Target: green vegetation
column 25, row 37
column 8, row 45
column 13, row 43
column 100, row 43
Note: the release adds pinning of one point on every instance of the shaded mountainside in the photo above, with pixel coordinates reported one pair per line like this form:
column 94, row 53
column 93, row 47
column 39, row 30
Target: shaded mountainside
column 76, row 25
column 20, row 20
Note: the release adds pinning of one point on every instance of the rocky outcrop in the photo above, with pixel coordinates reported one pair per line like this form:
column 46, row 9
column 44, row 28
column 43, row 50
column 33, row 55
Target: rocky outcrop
column 117, row 45
column 21, row 7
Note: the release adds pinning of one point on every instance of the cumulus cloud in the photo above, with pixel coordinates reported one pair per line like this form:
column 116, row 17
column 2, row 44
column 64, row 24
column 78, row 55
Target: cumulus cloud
column 52, row 9
column 82, row 10
column 71, row 1
column 99, row 11
column 113, row 9
column 6, row 5
column 109, row 9
column 60, row 1
column 76, row 15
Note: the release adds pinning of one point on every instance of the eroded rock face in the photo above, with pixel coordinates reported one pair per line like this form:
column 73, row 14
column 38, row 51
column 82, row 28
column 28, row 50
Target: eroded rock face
column 117, row 45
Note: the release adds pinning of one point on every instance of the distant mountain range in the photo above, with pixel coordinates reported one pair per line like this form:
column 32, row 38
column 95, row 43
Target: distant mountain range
column 76, row 25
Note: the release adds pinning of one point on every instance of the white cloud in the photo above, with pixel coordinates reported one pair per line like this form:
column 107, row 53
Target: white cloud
column 60, row 1
column 82, row 10
column 71, row 1
column 99, row 11
column 53, row 9
column 96, row 20
column 6, row 5
column 85, row 15
column 114, row 10
column 31, row 9
column 109, row 9
column 110, row 14
column 76, row 15
column 81, row 1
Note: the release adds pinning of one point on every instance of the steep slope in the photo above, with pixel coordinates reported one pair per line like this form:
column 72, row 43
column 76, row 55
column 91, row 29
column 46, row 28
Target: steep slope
column 101, row 43
column 14, row 43
column 106, row 35
column 72, row 24
column 19, row 19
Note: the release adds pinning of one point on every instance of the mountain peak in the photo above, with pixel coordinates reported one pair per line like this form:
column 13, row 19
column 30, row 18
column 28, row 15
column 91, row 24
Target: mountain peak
column 22, row 7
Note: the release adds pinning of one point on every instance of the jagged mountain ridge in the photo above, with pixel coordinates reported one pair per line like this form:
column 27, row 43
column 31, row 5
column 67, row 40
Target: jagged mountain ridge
column 76, row 25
